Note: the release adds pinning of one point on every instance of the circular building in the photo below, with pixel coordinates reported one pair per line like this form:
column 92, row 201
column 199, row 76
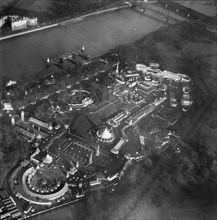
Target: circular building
column 105, row 135
column 79, row 98
column 41, row 186
column 47, row 159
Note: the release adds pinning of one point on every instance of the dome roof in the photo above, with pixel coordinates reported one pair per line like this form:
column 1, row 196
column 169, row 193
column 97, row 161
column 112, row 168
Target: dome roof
column 48, row 159
column 105, row 134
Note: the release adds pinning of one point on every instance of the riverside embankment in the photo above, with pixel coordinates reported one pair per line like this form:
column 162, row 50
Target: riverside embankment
column 23, row 57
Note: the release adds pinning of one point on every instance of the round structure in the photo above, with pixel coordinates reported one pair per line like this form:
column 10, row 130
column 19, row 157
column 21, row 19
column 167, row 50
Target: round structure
column 79, row 98
column 44, row 188
column 105, row 135
column 48, row 159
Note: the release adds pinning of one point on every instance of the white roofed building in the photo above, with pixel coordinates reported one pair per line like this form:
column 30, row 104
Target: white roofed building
column 105, row 135
column 47, row 126
column 48, row 159
column 153, row 71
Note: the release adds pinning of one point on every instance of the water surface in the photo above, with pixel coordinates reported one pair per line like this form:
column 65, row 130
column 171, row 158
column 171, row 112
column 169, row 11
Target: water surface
column 23, row 57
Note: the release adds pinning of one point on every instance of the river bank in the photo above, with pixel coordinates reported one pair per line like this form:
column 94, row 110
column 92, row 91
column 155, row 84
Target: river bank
column 72, row 20
column 26, row 60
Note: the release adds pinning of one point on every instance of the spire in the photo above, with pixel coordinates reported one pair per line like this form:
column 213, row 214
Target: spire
column 97, row 151
column 48, row 60
column 106, row 133
column 117, row 68
column 91, row 158
column 12, row 120
column 47, row 159
column 22, row 116
column 77, row 164
column 82, row 49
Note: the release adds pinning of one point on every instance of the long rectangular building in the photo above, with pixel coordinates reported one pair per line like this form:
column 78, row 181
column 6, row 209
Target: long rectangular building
column 40, row 124
column 25, row 133
column 118, row 146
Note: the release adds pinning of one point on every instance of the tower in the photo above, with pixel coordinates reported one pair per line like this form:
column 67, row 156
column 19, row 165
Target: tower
column 91, row 158
column 117, row 68
column 97, row 151
column 126, row 111
column 22, row 116
column 77, row 164
column 12, row 120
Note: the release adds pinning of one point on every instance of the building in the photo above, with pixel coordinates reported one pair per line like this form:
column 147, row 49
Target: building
column 159, row 101
column 186, row 100
column 11, row 83
column 118, row 146
column 18, row 24
column 173, row 100
column 44, row 196
column 141, row 68
column 32, row 22
column 132, row 74
column 143, row 86
column 154, row 65
column 48, row 159
column 8, row 208
column 117, row 119
column 95, row 183
column 87, row 101
column 157, row 74
column 142, row 140
column 26, row 133
column 7, row 106
column 2, row 21
column 40, row 124
column 105, row 135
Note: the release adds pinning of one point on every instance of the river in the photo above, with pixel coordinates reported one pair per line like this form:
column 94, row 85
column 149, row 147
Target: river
column 23, row 57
